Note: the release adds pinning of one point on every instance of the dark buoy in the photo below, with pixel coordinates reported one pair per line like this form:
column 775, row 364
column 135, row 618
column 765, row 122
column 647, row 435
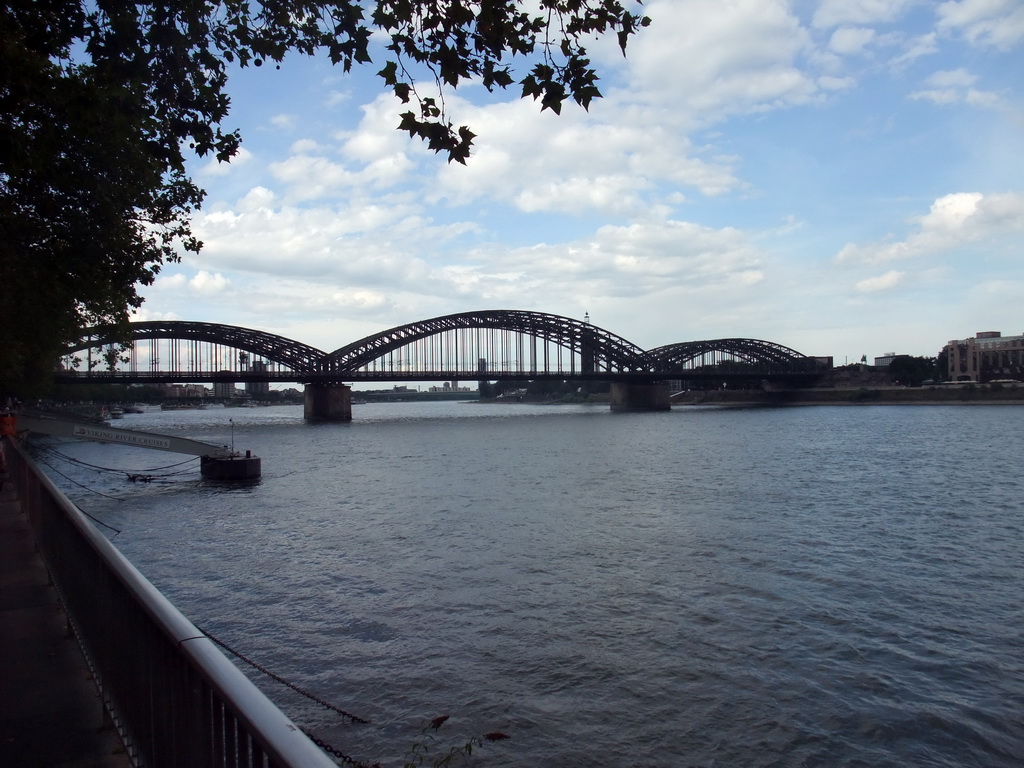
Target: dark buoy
column 233, row 467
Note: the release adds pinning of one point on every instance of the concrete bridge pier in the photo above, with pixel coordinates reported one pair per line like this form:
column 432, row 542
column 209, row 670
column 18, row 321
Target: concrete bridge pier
column 327, row 402
column 629, row 396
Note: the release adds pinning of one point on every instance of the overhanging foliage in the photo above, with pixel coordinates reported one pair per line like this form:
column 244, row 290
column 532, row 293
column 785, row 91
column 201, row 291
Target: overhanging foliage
column 101, row 102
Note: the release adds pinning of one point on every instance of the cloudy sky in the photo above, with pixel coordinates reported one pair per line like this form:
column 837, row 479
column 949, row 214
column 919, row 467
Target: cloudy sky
column 844, row 177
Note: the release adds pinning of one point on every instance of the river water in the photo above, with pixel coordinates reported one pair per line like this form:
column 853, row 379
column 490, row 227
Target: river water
column 828, row 586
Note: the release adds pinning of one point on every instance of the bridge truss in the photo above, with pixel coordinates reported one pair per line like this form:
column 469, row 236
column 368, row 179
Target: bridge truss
column 489, row 344
column 482, row 345
column 168, row 351
column 713, row 357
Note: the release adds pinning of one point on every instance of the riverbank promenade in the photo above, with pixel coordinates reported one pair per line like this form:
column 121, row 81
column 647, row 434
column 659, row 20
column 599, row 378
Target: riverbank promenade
column 51, row 715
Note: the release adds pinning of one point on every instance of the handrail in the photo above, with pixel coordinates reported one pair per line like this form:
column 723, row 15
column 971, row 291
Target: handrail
column 176, row 700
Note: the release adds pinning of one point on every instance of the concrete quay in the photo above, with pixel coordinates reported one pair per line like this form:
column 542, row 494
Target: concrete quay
column 51, row 715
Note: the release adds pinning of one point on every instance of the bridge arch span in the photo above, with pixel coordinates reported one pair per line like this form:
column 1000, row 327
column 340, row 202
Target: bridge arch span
column 470, row 337
column 760, row 355
column 294, row 355
column 480, row 345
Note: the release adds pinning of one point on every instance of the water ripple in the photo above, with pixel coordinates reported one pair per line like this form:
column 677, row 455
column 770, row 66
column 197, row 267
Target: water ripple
column 770, row 587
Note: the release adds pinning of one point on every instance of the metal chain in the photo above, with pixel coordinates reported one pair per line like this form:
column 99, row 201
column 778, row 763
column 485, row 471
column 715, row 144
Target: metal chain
column 278, row 678
column 335, row 752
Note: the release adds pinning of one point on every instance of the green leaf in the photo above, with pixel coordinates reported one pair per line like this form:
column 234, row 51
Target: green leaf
column 389, row 73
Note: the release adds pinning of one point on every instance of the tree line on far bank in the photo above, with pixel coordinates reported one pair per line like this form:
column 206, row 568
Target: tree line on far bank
column 543, row 389
column 121, row 393
column 914, row 371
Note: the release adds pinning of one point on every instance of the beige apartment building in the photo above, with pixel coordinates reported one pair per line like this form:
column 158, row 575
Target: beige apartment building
column 988, row 356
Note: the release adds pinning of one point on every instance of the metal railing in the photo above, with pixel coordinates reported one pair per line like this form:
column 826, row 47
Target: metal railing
column 176, row 700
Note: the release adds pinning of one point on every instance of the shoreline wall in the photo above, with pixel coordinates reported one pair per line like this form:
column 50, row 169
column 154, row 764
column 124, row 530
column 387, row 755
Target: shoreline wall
column 981, row 395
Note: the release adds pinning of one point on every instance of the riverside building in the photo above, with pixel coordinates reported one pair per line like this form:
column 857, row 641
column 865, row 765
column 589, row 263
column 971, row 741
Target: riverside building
column 988, row 356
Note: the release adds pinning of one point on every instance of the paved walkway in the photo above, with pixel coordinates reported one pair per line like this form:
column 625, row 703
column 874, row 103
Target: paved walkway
column 50, row 710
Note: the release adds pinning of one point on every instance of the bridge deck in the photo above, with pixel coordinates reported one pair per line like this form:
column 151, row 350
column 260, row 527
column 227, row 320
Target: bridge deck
column 50, row 711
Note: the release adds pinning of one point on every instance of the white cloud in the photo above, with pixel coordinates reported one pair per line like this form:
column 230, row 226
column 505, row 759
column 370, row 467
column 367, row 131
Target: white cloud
column 208, row 284
column 378, row 141
column 937, row 96
column 575, row 163
column 952, row 78
column 884, row 282
column 374, row 155
column 832, row 13
column 142, row 315
column 829, row 83
column 357, row 244
column 311, row 177
column 724, row 58
column 283, row 121
column 953, row 220
column 257, row 199
column 851, row 40
column 337, row 98
column 995, row 23
column 216, row 168
column 605, row 193
column 306, row 147
column 170, row 282
column 289, row 300
column 916, row 48
column 955, row 87
column 637, row 260
column 985, row 99
column 369, row 259
column 698, row 63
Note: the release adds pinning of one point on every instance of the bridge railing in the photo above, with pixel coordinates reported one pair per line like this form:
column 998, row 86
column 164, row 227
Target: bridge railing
column 176, row 700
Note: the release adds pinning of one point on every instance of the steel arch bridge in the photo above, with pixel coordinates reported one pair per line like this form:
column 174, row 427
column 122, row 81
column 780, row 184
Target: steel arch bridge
column 738, row 356
column 175, row 350
column 480, row 345
column 512, row 343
